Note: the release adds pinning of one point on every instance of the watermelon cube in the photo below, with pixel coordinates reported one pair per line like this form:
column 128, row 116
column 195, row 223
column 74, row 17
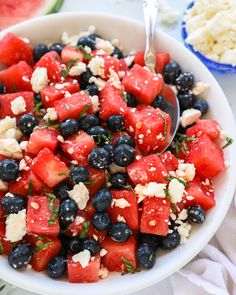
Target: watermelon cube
column 70, row 53
column 6, row 245
column 42, row 138
column 79, row 274
column 208, row 127
column 111, row 102
column 115, row 251
column 147, row 169
column 110, row 63
column 78, row 147
column 17, row 77
column 169, row 161
column 162, row 59
column 97, row 178
column 13, row 49
column 6, row 104
column 73, row 106
column 129, row 213
column 207, row 157
column 49, row 168
column 39, row 217
column 142, row 83
column 155, row 216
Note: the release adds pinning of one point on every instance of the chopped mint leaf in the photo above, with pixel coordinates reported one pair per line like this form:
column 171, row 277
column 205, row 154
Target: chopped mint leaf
column 85, row 110
column 86, row 225
column 229, row 141
column 43, row 246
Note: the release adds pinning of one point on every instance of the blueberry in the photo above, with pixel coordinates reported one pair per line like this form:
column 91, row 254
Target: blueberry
column 68, row 211
column 86, row 41
column 9, row 169
column 88, row 121
column 13, row 203
column 27, row 123
column 39, row 51
column 196, row 214
column 3, row 88
column 150, row 239
column 99, row 158
column 102, row 200
column 99, row 133
column 75, row 244
column 110, row 149
column 79, row 174
column 92, row 89
column 69, row 127
column 171, row 241
column 84, row 78
column 126, row 139
column 186, row 100
column 37, row 97
column 57, row 47
column 146, row 256
column 119, row 180
column 20, row 256
column 61, row 190
column 161, row 103
column 115, row 123
column 201, row 105
column 92, row 245
column 101, row 221
column 117, row 53
column 124, row 155
column 185, row 81
column 171, row 72
column 64, row 245
column 94, row 36
column 131, row 100
column 56, row 267
column 120, row 232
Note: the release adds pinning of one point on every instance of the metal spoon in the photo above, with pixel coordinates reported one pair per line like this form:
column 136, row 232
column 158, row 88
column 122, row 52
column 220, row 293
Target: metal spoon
column 150, row 9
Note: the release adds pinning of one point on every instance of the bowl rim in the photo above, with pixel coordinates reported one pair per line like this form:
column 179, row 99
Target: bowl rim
column 211, row 64
column 131, row 283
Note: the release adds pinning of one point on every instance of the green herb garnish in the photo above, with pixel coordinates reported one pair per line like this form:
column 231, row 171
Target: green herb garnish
column 52, row 208
column 2, row 287
column 129, row 268
column 85, row 54
column 229, row 141
column 52, row 220
column 85, row 110
column 48, row 124
column 85, row 229
column 62, row 174
column 180, row 180
column 65, row 72
column 180, row 142
column 43, row 246
column 1, row 246
column 123, row 96
column 173, row 206
column 88, row 183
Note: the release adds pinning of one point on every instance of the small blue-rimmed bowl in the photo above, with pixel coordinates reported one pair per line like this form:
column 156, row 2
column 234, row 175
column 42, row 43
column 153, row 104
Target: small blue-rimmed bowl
column 212, row 65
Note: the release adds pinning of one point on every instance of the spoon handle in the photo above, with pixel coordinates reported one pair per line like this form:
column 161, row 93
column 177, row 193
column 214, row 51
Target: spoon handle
column 150, row 9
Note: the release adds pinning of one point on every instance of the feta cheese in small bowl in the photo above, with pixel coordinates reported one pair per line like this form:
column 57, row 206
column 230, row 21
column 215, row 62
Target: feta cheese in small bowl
column 209, row 31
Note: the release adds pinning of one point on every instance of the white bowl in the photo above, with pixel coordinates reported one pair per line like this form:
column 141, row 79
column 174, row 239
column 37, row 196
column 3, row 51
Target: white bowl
column 131, row 35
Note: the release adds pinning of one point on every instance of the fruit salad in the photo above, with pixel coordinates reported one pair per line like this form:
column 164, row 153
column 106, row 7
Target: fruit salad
column 85, row 187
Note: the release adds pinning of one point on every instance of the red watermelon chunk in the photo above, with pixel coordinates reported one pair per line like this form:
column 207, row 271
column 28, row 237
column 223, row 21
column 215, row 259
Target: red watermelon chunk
column 49, row 168
column 115, row 251
column 147, row 169
column 162, row 59
column 110, row 63
column 13, row 49
column 207, row 157
column 17, row 77
column 129, row 213
column 39, row 216
column 41, row 257
column 70, row 53
column 111, row 102
column 6, row 99
column 6, row 245
column 52, row 62
column 208, row 127
column 169, row 161
column 88, row 274
column 78, row 147
column 42, row 138
column 97, row 178
column 155, row 216
column 142, row 83
column 73, row 106
column 50, row 94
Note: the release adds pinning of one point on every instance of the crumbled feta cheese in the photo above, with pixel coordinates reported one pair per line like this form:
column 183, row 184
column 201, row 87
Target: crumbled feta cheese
column 121, row 203
column 34, row 205
column 120, row 218
column 104, row 45
column 82, row 257
column 95, row 103
column 129, row 60
column 183, row 215
column 113, row 168
column 23, row 165
column 8, row 128
column 103, row 252
column 189, row 117
column 66, row 39
column 189, row 198
column 96, row 65
column 23, row 145
column 16, row 226
column 114, row 79
column 186, row 171
column 39, row 79
column 176, row 190
column 184, row 231
column 9, row 147
column 98, row 82
column 51, row 114
column 60, row 138
column 151, row 189
column 80, row 195
column 77, row 69
column 18, row 105
column 3, row 186
column 79, row 220
column 200, row 88
column 152, row 222
column 103, row 273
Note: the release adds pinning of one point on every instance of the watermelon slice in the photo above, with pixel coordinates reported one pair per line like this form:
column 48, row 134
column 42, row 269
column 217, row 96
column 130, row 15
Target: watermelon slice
column 15, row 11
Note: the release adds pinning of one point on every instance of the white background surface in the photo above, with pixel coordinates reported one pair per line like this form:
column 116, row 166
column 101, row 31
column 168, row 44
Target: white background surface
column 133, row 9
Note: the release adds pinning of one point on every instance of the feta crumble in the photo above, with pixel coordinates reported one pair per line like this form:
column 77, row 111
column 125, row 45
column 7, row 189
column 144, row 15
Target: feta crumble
column 9, row 147
column 39, row 79
column 104, row 45
column 121, row 203
column 189, row 117
column 8, row 128
column 80, row 195
column 151, row 189
column 95, row 103
column 200, row 88
column 184, row 232
column 18, row 105
column 16, row 226
column 96, row 65
column 176, row 190
column 82, row 257
column 51, row 114
column 77, row 69
column 103, row 273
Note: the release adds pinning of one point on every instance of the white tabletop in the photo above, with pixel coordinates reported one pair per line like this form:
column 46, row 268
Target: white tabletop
column 133, row 9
